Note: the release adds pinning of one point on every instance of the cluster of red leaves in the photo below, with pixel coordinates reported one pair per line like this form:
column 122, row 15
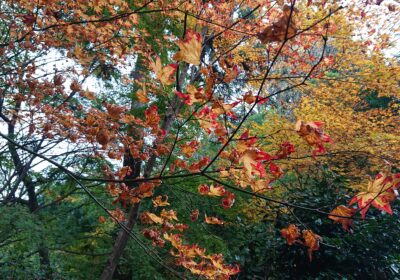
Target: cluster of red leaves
column 307, row 238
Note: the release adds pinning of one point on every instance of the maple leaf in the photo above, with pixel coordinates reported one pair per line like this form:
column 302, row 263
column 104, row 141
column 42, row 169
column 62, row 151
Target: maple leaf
column 195, row 167
column 251, row 160
column 213, row 220
column 216, row 191
column 211, row 191
column 141, row 94
column 207, row 119
column 204, row 189
column 311, row 240
column 169, row 215
column 114, row 111
column 29, row 19
column 189, row 148
column 118, row 215
column 275, row 170
column 220, row 108
column 245, row 142
column 189, row 48
column 159, row 202
column 174, row 239
column 249, row 98
column 164, row 74
column 194, row 95
column 291, row 234
column 286, row 149
column 313, row 134
column 181, row 227
column 150, row 218
column 144, row 190
column 152, row 116
column 154, row 235
column 344, row 211
column 259, row 186
column 284, row 28
column 192, row 251
column 379, row 193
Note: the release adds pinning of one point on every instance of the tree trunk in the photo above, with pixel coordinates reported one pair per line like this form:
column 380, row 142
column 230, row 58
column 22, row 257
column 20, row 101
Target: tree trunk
column 23, row 176
column 120, row 244
column 123, row 236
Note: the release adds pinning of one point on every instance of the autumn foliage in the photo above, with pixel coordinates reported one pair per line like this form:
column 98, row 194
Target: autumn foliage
column 226, row 101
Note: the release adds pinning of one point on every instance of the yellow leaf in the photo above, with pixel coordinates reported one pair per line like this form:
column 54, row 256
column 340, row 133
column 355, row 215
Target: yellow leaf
column 159, row 202
column 164, row 74
column 169, row 215
column 189, row 48
column 213, row 220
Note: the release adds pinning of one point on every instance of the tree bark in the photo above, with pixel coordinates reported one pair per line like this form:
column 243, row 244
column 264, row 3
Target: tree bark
column 120, row 243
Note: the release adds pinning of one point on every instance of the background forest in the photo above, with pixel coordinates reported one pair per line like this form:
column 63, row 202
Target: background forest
column 199, row 139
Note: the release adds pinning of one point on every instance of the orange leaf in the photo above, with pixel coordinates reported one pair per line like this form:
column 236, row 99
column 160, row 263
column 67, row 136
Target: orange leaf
column 169, row 215
column 211, row 191
column 189, row 148
column 141, row 94
column 189, row 48
column 164, row 74
column 291, row 233
column 154, row 235
column 311, row 240
column 250, row 162
column 159, row 202
column 344, row 211
column 213, row 220
column 149, row 218
column 231, row 74
column 194, row 95
column 284, row 28
column 313, row 134
column 103, row 137
column 118, row 215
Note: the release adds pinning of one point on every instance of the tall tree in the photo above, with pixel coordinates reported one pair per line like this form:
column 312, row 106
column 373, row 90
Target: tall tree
column 179, row 82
